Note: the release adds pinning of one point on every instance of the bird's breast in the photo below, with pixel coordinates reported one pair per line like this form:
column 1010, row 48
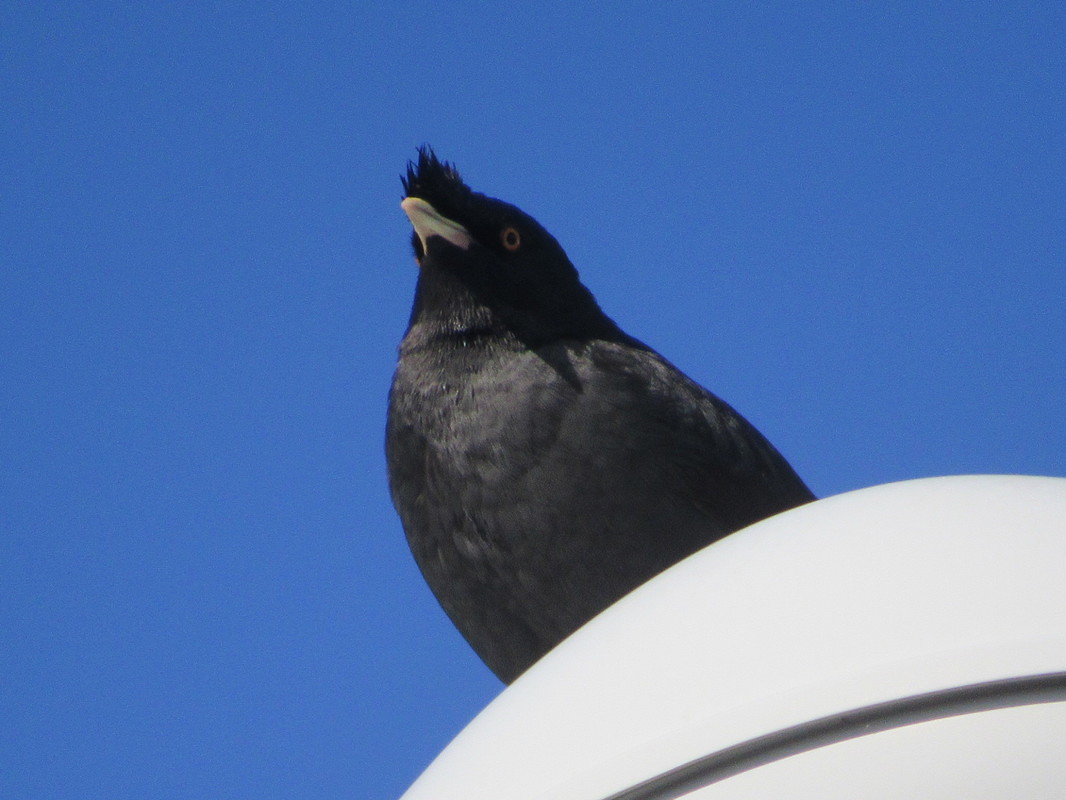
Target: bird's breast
column 486, row 423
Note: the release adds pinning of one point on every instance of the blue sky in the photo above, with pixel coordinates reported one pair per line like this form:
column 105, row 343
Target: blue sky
column 847, row 221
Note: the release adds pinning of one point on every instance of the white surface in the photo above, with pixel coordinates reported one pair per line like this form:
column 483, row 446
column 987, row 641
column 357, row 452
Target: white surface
column 856, row 599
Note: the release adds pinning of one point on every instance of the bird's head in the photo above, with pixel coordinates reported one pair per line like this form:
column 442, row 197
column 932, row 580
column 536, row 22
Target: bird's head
column 486, row 266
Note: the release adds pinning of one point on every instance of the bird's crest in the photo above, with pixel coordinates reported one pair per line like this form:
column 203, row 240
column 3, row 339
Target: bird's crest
column 435, row 181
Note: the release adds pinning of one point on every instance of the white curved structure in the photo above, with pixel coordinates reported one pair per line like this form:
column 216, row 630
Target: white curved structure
column 907, row 640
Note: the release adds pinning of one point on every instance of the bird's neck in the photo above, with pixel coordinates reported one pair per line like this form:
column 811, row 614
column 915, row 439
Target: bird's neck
column 445, row 309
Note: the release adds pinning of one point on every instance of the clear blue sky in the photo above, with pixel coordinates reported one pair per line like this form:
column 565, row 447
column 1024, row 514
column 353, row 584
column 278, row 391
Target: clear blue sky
column 848, row 221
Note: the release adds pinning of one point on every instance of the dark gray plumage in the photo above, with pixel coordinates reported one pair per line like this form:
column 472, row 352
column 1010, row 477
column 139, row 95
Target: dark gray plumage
column 543, row 462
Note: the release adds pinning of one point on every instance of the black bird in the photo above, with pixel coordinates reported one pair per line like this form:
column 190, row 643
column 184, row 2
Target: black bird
column 543, row 462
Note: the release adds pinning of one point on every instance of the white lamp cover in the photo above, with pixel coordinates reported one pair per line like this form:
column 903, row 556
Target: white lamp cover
column 899, row 641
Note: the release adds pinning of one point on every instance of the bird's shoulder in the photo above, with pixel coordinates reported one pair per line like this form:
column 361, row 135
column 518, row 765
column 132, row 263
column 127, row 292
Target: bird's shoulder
column 628, row 378
column 655, row 407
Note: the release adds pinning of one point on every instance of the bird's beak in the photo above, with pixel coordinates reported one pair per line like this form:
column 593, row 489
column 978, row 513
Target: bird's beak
column 428, row 222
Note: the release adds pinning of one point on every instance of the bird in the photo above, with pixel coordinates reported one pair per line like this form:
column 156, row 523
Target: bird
column 543, row 462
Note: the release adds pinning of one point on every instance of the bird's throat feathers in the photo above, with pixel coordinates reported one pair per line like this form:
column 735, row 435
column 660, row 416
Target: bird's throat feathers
column 445, row 309
column 450, row 308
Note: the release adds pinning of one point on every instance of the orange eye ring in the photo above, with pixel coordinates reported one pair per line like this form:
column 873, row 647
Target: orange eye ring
column 511, row 238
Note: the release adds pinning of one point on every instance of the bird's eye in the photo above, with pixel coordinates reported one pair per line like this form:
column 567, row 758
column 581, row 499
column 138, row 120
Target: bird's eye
column 511, row 238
